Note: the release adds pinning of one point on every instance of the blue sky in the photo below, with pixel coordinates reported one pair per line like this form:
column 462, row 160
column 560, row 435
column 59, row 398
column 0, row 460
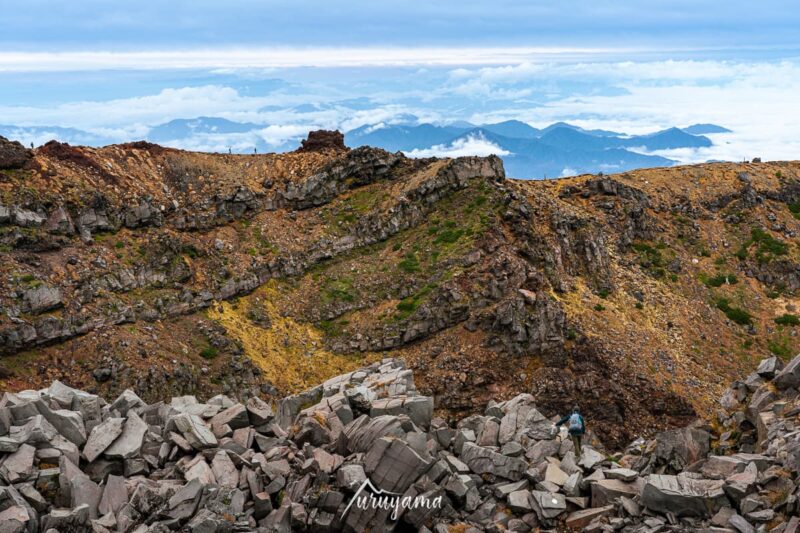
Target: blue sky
column 116, row 69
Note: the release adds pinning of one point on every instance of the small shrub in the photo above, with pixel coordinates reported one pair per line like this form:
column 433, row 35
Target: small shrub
column 603, row 293
column 781, row 349
column 599, row 307
column 340, row 290
column 27, row 278
column 479, row 201
column 720, row 280
column 794, row 208
column 119, row 245
column 209, row 352
column 407, row 305
column 449, row 236
column 741, row 253
column 333, row 328
column 650, row 259
column 410, row 264
column 639, row 305
column 788, row 319
column 739, row 316
column 768, row 246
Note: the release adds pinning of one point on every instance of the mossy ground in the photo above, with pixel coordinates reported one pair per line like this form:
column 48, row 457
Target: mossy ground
column 290, row 353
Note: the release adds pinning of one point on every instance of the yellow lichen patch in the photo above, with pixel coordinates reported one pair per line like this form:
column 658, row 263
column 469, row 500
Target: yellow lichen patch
column 290, row 353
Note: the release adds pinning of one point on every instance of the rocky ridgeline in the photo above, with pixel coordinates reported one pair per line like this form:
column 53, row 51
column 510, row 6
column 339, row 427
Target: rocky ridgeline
column 78, row 300
column 72, row 462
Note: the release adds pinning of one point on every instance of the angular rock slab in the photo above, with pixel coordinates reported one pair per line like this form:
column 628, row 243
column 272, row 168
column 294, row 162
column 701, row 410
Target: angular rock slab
column 582, row 518
column 129, row 443
column 393, row 465
column 684, row 496
column 789, row 377
column 19, row 465
column 548, row 505
column 485, row 461
column 195, row 431
column 606, row 491
column 102, row 437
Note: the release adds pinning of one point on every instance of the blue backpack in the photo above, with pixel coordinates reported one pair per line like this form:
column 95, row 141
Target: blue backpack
column 575, row 423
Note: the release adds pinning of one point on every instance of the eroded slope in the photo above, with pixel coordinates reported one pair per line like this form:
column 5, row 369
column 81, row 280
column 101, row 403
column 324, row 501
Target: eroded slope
column 636, row 295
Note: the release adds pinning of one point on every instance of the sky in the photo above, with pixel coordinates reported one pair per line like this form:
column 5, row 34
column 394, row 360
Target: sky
column 117, row 69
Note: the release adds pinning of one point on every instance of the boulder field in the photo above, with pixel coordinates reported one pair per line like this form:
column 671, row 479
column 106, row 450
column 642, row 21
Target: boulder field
column 72, row 462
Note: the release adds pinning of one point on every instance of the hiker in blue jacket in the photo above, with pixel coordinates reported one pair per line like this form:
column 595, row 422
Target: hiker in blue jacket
column 576, row 427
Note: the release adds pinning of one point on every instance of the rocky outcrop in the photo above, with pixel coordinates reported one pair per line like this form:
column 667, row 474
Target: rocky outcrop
column 73, row 462
column 358, row 167
column 323, row 140
column 13, row 155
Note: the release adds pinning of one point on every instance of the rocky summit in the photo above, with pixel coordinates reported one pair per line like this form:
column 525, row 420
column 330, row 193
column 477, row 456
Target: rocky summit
column 639, row 296
column 72, row 462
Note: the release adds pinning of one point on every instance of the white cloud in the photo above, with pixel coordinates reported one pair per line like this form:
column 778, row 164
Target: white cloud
column 469, row 145
column 273, row 137
column 261, row 58
column 568, row 172
column 757, row 100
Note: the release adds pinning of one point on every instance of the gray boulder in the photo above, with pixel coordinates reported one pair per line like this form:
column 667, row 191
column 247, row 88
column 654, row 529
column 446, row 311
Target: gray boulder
column 679, row 448
column 683, row 495
column 548, row 505
column 129, row 443
column 789, row 377
column 101, row 437
column 418, row 408
column 607, row 491
column 234, row 416
column 126, row 401
column 393, row 465
column 195, row 431
column 42, row 298
column 18, row 466
column 485, row 461
column 769, row 367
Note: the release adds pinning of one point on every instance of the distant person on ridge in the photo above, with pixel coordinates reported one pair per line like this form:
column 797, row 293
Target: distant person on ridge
column 576, row 427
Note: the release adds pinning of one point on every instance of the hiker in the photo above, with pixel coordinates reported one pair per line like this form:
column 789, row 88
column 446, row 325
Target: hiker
column 576, row 427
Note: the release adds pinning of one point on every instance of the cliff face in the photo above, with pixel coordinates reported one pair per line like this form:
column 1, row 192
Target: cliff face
column 637, row 295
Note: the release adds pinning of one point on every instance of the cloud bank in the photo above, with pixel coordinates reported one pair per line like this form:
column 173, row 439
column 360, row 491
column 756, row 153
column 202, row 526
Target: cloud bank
column 756, row 99
column 469, row 145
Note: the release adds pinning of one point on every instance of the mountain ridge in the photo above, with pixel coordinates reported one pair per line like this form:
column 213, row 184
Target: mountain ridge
column 176, row 272
column 582, row 150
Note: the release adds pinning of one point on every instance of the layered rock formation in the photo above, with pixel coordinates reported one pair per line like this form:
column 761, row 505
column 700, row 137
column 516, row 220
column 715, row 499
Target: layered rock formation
column 69, row 461
column 639, row 296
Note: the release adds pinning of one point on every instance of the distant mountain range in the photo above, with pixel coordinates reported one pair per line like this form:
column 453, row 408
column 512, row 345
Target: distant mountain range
column 528, row 152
